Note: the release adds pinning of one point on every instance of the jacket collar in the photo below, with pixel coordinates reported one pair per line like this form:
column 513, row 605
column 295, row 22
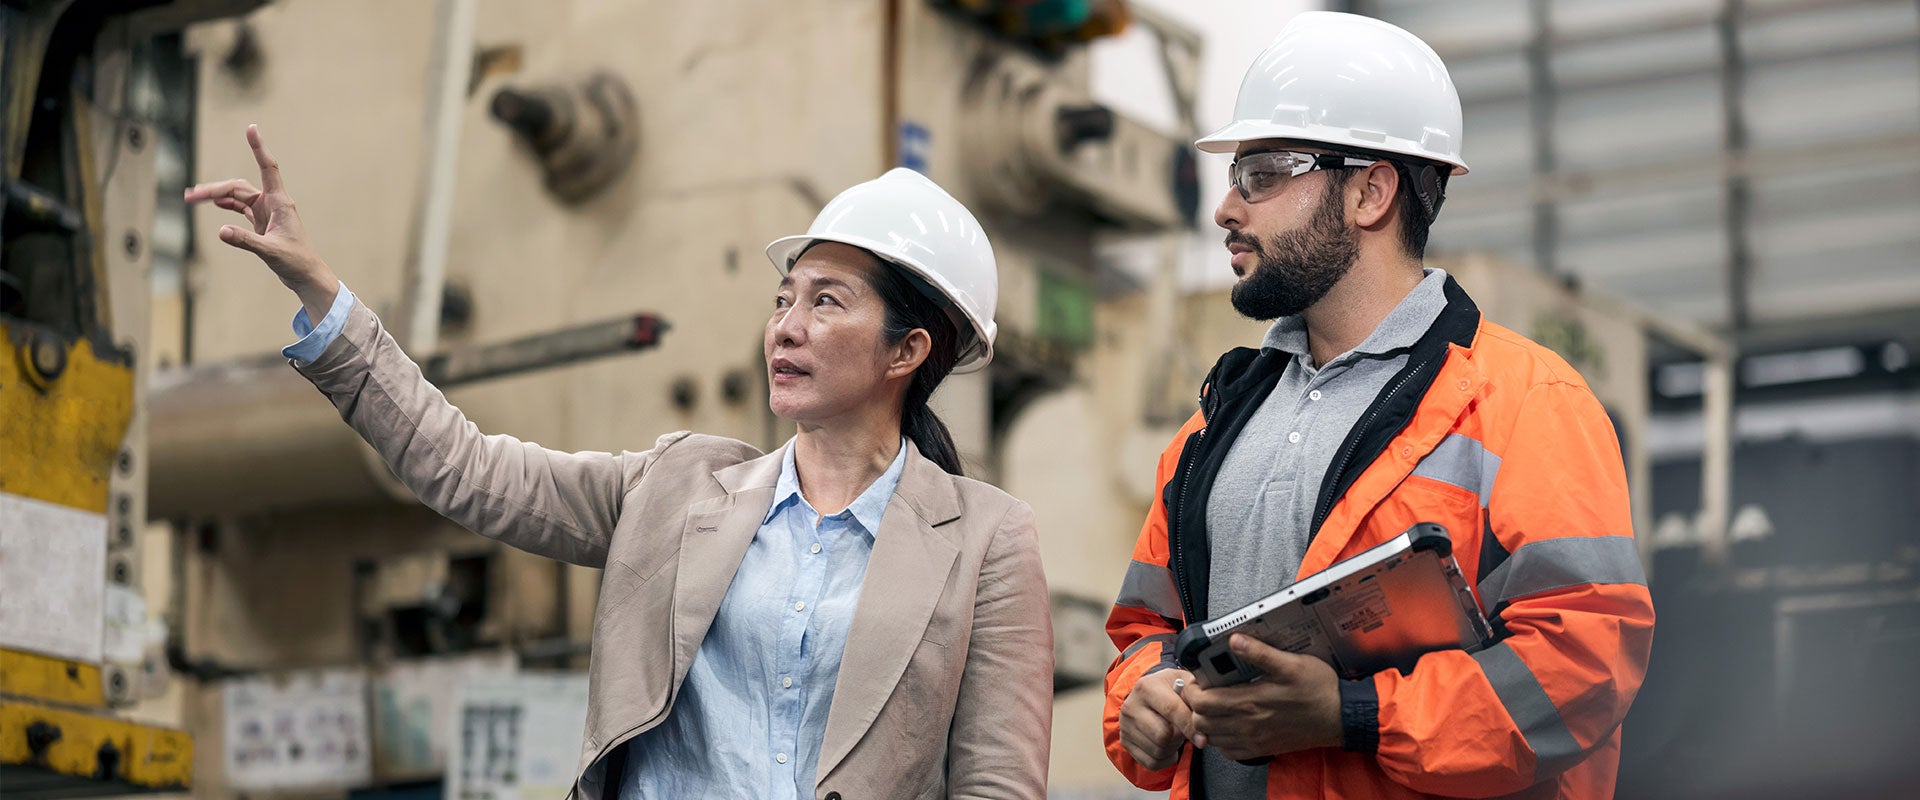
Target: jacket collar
column 926, row 488
column 1458, row 323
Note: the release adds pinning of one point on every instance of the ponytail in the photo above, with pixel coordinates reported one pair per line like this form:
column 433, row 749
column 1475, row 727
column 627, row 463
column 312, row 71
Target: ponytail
column 911, row 306
column 928, row 433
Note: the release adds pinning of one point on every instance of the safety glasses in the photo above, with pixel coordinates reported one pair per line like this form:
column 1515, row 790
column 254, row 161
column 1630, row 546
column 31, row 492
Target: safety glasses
column 1258, row 176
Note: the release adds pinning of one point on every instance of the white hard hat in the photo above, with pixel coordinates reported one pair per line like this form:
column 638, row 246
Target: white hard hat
column 906, row 219
column 1348, row 81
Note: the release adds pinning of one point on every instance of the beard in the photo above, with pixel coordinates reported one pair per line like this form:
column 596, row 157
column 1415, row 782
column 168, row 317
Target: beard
column 1295, row 269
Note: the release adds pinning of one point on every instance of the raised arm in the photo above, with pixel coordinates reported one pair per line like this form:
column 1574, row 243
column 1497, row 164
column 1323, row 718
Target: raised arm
column 556, row 504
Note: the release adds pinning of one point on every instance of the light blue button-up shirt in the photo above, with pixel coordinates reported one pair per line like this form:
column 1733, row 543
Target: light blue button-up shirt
column 751, row 715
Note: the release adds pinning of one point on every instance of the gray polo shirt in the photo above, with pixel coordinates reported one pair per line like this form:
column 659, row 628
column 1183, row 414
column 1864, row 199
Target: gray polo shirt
column 1261, row 509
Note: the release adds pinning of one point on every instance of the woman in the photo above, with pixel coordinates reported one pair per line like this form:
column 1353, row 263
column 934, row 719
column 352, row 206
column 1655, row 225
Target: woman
column 846, row 616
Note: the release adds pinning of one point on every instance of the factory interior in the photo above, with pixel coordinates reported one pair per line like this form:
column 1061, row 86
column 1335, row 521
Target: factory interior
column 211, row 587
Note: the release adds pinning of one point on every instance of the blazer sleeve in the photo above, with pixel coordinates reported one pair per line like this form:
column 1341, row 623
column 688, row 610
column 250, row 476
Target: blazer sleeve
column 1003, row 718
column 551, row 503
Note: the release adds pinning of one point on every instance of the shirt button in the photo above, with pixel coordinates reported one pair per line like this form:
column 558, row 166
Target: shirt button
column 1294, row 437
column 1406, row 451
column 799, row 605
column 1313, row 395
column 1464, row 384
column 786, row 683
column 815, row 548
column 782, row 758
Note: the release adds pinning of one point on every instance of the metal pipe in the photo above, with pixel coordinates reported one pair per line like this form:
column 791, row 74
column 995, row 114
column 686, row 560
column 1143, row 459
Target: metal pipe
column 42, row 207
column 419, row 325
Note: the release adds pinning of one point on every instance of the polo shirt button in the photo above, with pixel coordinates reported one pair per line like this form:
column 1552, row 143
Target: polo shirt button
column 1294, row 437
column 1464, row 384
column 1406, row 451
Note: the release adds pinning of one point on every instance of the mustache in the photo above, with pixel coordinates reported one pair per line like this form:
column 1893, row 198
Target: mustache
column 1241, row 237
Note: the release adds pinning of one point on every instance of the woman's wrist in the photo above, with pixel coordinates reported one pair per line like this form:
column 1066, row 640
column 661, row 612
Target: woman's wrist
column 317, row 292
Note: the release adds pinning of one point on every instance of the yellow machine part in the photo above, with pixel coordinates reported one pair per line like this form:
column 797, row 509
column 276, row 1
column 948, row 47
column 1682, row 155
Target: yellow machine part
column 56, row 680
column 43, row 748
column 59, row 442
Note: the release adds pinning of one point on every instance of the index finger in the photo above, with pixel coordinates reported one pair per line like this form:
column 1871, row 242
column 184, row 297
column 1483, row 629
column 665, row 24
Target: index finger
column 236, row 188
column 269, row 168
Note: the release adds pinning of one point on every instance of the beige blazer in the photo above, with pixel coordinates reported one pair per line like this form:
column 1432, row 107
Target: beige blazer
column 946, row 684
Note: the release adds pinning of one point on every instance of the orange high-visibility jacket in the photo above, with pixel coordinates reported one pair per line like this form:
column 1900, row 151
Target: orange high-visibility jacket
column 1502, row 442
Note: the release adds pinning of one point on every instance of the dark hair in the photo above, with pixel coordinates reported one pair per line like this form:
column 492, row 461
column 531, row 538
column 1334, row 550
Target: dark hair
column 1416, row 214
column 910, row 305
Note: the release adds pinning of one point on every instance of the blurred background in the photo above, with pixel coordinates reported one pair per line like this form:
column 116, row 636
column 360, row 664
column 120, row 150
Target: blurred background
column 208, row 586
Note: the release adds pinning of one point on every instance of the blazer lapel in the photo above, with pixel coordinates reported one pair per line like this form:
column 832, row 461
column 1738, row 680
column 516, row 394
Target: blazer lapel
column 906, row 574
column 714, row 541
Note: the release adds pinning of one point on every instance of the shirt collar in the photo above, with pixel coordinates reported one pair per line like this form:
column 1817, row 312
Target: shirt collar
column 1401, row 328
column 867, row 509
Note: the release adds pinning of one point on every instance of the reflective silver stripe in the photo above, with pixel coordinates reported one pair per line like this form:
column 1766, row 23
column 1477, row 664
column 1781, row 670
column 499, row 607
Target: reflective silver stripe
column 1150, row 586
column 1165, row 639
column 1558, row 563
column 1533, row 712
column 1464, row 462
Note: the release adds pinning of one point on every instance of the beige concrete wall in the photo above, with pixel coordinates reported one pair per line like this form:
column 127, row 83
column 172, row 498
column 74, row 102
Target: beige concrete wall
column 750, row 115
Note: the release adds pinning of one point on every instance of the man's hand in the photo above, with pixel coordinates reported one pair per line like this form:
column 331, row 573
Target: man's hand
column 1154, row 721
column 1294, row 706
column 273, row 232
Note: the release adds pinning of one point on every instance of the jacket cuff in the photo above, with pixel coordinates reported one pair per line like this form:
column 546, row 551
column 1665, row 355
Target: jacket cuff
column 1359, row 716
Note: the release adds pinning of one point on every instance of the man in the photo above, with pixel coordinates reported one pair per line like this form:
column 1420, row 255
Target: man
column 1379, row 398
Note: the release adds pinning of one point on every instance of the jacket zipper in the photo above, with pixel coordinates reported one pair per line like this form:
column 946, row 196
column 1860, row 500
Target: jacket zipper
column 1324, row 506
column 1173, row 540
column 1209, row 404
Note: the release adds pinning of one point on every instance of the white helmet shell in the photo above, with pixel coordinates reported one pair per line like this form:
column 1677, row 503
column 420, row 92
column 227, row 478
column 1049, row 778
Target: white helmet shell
column 906, row 219
column 1345, row 80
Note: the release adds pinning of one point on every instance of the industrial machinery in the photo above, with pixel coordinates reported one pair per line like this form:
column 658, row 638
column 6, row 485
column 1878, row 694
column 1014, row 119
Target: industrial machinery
column 74, row 250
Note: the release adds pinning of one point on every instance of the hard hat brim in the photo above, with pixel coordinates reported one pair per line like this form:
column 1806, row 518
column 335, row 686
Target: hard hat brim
column 1229, row 138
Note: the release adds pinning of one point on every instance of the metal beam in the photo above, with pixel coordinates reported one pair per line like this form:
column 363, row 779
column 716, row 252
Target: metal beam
column 1542, row 106
column 1654, row 176
column 1651, row 24
column 1888, row 42
column 426, row 267
column 1738, row 188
